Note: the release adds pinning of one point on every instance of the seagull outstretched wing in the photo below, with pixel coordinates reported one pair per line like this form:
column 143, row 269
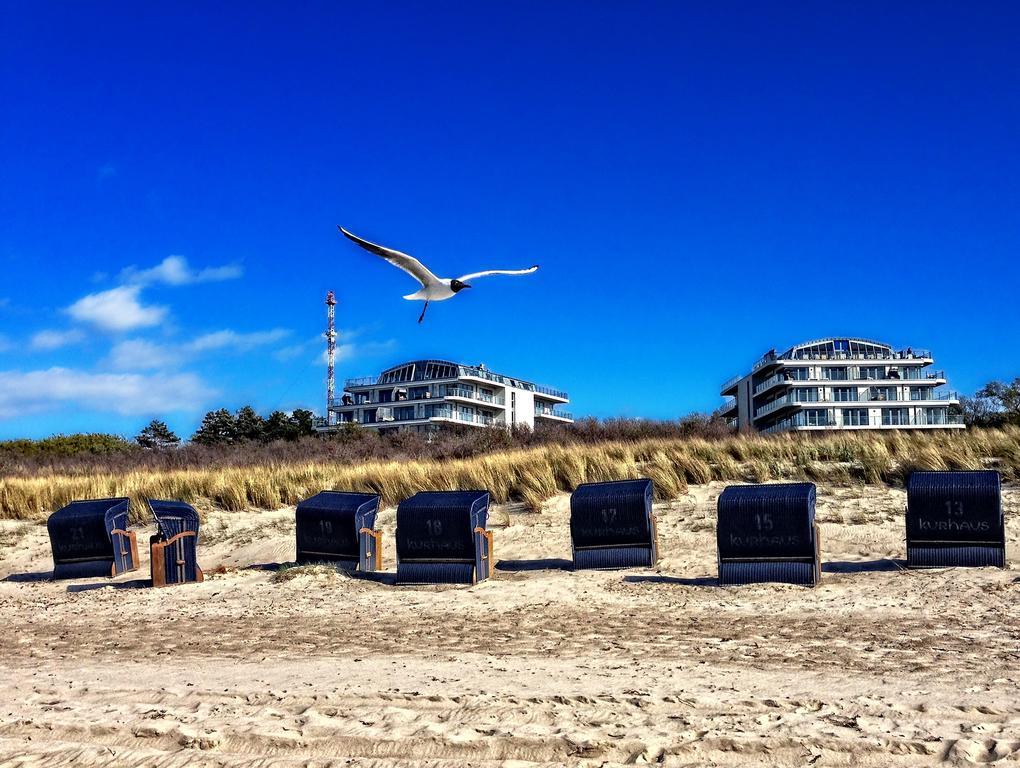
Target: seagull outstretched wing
column 473, row 275
column 409, row 264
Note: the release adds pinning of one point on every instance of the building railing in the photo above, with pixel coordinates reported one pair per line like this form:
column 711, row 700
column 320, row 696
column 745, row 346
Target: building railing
column 915, row 354
column 774, row 405
column 366, row 399
column 361, row 381
column 913, row 419
column 472, row 395
column 862, row 397
column 551, row 392
column 730, row 382
column 554, row 413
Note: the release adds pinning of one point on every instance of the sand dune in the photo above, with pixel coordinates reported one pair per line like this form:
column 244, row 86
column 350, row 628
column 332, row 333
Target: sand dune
column 539, row 666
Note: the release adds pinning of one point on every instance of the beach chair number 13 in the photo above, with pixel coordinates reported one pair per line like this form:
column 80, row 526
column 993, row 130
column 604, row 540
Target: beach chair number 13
column 954, row 508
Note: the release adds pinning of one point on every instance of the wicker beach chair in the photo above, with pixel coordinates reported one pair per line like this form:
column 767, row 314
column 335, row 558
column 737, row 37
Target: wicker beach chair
column 90, row 538
column 442, row 538
column 955, row 519
column 174, row 549
column 612, row 526
column 339, row 528
column 768, row 533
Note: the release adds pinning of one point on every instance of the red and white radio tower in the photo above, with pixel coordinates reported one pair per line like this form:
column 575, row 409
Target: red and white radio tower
column 330, row 355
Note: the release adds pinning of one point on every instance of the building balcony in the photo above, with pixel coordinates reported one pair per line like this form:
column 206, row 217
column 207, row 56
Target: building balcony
column 556, row 394
column 830, row 420
column 468, row 394
column 864, row 397
column 549, row 413
column 918, row 355
column 730, row 386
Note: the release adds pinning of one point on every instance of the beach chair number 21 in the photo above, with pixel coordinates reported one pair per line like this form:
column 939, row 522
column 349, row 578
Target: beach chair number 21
column 764, row 521
column 435, row 527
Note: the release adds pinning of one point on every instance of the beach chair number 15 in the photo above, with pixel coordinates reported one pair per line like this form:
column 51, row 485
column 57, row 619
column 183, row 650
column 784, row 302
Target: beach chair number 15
column 763, row 521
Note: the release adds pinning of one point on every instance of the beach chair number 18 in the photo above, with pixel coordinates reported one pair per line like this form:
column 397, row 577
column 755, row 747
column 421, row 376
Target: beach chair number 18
column 763, row 521
column 954, row 508
column 435, row 527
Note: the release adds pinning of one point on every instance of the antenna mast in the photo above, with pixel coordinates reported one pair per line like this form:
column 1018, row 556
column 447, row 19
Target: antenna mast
column 330, row 355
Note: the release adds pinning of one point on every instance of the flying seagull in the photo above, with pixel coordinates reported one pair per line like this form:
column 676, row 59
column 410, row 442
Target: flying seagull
column 432, row 288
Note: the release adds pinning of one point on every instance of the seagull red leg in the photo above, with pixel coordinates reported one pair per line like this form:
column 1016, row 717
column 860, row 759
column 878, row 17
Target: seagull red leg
column 422, row 316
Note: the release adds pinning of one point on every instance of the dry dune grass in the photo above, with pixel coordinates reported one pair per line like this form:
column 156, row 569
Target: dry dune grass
column 536, row 474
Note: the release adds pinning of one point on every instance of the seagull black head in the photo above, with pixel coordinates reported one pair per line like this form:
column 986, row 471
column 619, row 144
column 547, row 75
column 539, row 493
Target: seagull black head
column 457, row 285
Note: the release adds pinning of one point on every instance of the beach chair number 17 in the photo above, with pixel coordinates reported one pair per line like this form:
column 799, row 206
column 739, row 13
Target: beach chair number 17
column 954, row 508
column 608, row 516
column 763, row 521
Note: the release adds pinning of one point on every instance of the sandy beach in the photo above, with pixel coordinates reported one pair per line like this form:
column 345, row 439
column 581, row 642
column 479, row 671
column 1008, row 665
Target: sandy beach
column 256, row 667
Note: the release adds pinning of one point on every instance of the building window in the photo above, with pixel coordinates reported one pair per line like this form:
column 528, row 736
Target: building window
column 405, row 413
column 883, row 393
column 834, row 374
column 921, row 393
column 895, row 417
column 936, row 415
column 816, row 417
column 805, row 395
column 873, row 372
column 796, row 374
column 844, row 394
column 855, row 417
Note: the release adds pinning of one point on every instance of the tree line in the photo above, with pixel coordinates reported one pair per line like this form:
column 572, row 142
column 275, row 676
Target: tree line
column 996, row 404
column 221, row 427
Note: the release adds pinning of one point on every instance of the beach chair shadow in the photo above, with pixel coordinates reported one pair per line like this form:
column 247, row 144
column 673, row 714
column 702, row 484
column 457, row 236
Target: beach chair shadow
column 864, row 566
column 703, row 581
column 132, row 584
column 546, row 564
column 379, row 577
column 30, row 577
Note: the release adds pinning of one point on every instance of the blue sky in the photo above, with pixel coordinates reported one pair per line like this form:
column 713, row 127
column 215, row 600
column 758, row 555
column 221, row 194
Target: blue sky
column 699, row 183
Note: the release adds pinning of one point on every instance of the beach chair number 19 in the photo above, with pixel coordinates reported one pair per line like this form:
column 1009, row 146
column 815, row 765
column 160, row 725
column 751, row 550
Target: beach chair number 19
column 326, row 526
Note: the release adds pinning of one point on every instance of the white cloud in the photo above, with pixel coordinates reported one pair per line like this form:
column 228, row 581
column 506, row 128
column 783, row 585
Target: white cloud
column 139, row 354
column 235, row 341
column 174, row 270
column 129, row 394
column 45, row 340
column 347, row 352
column 117, row 309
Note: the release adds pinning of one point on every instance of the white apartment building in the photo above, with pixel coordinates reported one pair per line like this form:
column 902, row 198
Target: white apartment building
column 423, row 395
column 841, row 383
